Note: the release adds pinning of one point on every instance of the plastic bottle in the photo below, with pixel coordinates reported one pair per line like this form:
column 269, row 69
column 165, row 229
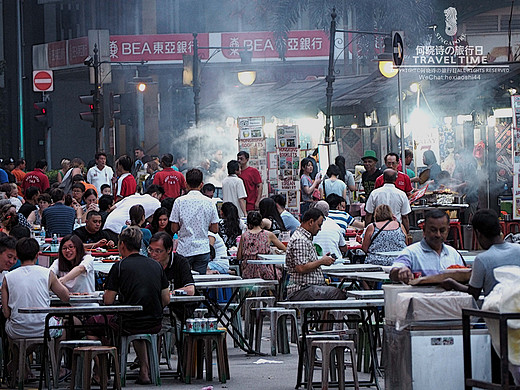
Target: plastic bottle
column 175, row 242
column 54, row 243
column 41, row 239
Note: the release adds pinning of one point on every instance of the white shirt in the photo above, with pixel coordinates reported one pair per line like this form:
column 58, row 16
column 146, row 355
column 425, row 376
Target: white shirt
column 220, row 247
column 83, row 283
column 330, row 238
column 116, row 220
column 233, row 190
column 393, row 197
column 99, row 177
column 194, row 212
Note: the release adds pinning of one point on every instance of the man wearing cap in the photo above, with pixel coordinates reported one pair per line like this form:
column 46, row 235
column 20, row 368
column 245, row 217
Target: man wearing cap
column 368, row 178
column 402, row 182
column 8, row 166
column 173, row 182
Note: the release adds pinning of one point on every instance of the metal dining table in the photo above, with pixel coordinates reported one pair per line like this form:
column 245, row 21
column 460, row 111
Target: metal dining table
column 70, row 312
column 221, row 311
column 367, row 308
column 366, row 294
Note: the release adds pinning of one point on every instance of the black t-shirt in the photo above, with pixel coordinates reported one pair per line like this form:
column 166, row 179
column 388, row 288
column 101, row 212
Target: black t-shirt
column 179, row 271
column 139, row 280
column 26, row 209
column 90, row 238
column 369, row 181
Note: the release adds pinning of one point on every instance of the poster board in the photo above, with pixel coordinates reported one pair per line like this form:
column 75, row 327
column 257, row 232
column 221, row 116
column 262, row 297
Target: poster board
column 515, row 104
column 288, row 151
column 251, row 139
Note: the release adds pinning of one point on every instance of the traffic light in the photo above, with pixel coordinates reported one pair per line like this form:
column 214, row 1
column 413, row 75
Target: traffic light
column 44, row 112
column 122, row 107
column 95, row 103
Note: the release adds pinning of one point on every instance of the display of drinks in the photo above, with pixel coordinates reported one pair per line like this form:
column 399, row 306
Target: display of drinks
column 54, row 243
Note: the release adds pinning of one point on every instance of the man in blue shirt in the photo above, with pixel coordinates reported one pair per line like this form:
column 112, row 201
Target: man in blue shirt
column 429, row 256
column 58, row 218
column 290, row 222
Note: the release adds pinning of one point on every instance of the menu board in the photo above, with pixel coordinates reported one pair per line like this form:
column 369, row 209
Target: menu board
column 251, row 140
column 288, row 150
column 251, row 127
column 515, row 104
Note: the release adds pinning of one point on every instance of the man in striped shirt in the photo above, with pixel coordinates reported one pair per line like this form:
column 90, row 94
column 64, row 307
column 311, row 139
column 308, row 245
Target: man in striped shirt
column 58, row 218
column 338, row 214
column 306, row 278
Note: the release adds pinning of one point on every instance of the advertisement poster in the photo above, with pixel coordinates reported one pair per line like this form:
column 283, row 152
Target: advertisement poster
column 515, row 104
column 288, row 151
column 251, row 127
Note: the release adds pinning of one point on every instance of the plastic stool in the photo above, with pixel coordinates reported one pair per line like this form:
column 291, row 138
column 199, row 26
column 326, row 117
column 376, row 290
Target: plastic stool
column 71, row 345
column 255, row 302
column 339, row 347
column 200, row 313
column 339, row 315
column 456, row 230
column 236, row 319
column 22, row 345
column 87, row 354
column 512, row 227
column 167, row 337
column 153, row 355
column 206, row 339
column 278, row 334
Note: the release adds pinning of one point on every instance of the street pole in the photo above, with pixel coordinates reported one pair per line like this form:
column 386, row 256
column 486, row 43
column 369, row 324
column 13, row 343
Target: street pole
column 330, row 76
column 196, row 81
column 401, row 123
column 96, row 97
column 21, row 150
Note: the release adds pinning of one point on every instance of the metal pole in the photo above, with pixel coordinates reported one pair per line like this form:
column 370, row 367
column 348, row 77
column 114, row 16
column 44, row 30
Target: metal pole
column 401, row 122
column 21, row 150
column 196, row 81
column 330, row 76
column 96, row 96
column 140, row 118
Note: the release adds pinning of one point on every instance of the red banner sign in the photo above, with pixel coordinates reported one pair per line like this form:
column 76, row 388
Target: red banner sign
column 165, row 47
column 313, row 43
column 57, row 54
column 77, row 50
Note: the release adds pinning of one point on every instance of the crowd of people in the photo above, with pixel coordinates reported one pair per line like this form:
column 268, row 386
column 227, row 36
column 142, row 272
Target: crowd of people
column 165, row 223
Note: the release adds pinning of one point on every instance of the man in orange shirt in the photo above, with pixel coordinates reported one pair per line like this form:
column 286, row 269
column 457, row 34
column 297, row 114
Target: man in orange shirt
column 173, row 182
column 19, row 173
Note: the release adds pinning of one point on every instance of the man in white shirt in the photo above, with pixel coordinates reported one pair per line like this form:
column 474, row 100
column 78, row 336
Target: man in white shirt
column 117, row 218
column 100, row 173
column 192, row 216
column 233, row 188
column 330, row 238
column 391, row 196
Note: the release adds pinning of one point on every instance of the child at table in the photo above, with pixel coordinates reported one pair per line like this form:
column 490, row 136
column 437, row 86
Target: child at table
column 28, row 286
column 256, row 241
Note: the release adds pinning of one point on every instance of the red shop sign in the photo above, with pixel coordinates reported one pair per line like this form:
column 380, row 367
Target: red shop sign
column 314, row 43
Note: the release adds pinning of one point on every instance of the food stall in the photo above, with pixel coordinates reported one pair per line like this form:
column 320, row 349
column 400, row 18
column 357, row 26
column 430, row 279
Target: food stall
column 423, row 339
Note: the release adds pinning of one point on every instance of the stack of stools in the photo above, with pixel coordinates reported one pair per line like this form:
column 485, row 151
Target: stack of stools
column 255, row 302
column 279, row 334
column 327, row 347
column 22, row 345
column 153, row 355
column 71, row 345
column 87, row 354
column 198, row 346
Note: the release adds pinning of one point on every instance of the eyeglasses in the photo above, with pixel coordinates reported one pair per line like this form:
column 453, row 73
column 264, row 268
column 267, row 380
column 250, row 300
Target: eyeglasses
column 68, row 248
column 156, row 251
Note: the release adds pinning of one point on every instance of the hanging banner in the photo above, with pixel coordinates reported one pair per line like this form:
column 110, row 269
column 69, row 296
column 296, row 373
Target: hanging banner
column 515, row 105
column 288, row 150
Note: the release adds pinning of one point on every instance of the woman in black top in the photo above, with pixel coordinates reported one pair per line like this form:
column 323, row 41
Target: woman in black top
column 161, row 222
column 230, row 226
column 271, row 217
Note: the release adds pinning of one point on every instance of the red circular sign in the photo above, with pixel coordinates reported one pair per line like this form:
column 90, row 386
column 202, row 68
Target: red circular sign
column 42, row 81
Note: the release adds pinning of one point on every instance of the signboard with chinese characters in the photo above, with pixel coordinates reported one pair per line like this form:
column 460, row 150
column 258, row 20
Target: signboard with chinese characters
column 515, row 105
column 314, row 43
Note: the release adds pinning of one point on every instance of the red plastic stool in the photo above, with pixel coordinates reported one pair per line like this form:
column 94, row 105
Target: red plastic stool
column 456, row 231
column 503, row 227
column 512, row 227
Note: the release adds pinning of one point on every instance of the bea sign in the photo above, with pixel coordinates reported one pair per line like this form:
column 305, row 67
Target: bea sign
column 43, row 81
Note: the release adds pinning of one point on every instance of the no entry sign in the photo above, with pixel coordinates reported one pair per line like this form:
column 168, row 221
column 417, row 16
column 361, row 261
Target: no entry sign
column 43, row 81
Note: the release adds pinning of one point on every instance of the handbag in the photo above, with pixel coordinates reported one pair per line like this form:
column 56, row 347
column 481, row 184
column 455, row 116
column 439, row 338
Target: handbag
column 316, row 194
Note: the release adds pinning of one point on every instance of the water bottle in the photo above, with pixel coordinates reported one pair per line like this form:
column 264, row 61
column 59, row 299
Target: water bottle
column 175, row 242
column 54, row 243
column 41, row 238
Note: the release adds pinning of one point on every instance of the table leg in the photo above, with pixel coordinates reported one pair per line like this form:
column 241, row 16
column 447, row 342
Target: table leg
column 374, row 367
